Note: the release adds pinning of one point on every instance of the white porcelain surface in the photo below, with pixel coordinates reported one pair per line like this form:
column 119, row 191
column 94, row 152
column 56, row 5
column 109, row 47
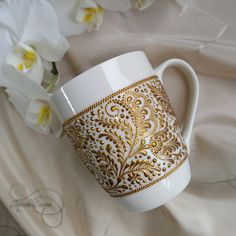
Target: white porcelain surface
column 160, row 192
column 100, row 81
column 117, row 73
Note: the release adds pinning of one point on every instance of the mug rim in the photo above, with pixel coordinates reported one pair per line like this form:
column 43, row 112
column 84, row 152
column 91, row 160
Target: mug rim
column 67, row 84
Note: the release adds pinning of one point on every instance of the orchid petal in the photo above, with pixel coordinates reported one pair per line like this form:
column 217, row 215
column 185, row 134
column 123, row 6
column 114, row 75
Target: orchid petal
column 90, row 14
column 39, row 115
column 37, row 25
column 99, row 19
column 87, row 4
column 26, row 60
column 22, row 83
column 22, row 105
column 11, row 17
column 46, row 38
column 115, row 5
column 19, row 100
column 5, row 45
column 66, row 12
column 49, row 50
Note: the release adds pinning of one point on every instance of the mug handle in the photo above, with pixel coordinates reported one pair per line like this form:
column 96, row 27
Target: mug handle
column 193, row 93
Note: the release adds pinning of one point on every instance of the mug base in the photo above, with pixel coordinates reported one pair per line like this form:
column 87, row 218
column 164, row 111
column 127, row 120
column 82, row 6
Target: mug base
column 159, row 193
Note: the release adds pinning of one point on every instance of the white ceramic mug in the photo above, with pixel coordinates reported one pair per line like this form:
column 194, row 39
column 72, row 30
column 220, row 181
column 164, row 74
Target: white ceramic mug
column 120, row 121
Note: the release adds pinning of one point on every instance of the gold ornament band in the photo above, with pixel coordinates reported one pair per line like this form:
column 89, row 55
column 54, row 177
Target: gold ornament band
column 129, row 140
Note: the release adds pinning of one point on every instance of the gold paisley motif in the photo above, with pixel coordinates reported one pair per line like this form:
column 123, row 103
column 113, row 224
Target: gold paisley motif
column 129, row 140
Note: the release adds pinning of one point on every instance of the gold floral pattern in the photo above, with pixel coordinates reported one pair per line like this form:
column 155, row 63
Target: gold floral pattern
column 129, row 140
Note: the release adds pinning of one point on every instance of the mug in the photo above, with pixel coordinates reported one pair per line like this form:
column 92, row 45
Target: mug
column 120, row 121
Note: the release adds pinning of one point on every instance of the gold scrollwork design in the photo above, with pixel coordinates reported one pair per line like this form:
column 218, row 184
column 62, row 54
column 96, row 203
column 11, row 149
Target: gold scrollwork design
column 129, row 140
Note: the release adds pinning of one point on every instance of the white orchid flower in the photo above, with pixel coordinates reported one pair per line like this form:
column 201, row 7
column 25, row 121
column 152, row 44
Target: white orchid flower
column 143, row 4
column 90, row 14
column 26, row 60
column 34, row 37
column 31, row 101
column 78, row 16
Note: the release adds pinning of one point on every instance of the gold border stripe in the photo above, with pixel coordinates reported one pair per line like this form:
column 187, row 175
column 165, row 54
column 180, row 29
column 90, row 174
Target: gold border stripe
column 107, row 98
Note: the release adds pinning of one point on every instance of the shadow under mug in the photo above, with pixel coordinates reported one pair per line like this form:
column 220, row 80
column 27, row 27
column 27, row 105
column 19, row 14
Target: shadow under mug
column 119, row 119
